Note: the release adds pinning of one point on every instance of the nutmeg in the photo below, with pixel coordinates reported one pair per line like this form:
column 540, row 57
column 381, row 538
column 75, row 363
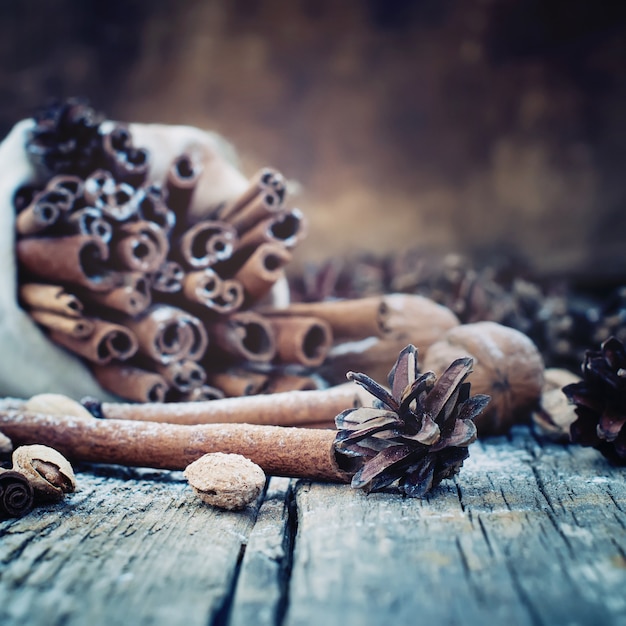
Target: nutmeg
column 56, row 404
column 507, row 366
column 228, row 481
column 47, row 470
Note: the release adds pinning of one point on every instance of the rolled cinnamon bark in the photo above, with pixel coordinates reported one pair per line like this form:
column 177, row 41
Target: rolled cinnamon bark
column 132, row 297
column 76, row 259
column 168, row 278
column 207, row 243
column 259, row 208
column 237, row 381
column 280, row 383
column 142, row 247
column 128, row 164
column 68, row 182
column 296, row 452
column 121, row 203
column 182, row 178
column 230, row 298
column 52, row 298
column 245, row 335
column 107, row 342
column 167, row 334
column 290, row 408
column 131, row 383
column 183, row 375
column 301, row 340
column 77, row 327
column 16, row 494
column 260, row 182
column 202, row 286
column 287, row 228
column 264, row 267
column 44, row 211
column 97, row 187
column 89, row 221
column 151, row 207
column 204, row 393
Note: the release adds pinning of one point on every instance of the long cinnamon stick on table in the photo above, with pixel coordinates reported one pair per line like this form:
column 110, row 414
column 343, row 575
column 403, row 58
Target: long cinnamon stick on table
column 76, row 259
column 52, row 298
column 107, row 342
column 297, row 452
column 290, row 408
column 131, row 383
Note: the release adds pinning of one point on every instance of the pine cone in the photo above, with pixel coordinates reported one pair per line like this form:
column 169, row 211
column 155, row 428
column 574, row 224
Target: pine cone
column 66, row 139
column 600, row 400
column 417, row 435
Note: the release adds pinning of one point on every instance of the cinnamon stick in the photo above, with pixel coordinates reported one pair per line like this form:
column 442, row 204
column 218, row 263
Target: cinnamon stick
column 245, row 335
column 280, row 383
column 182, row 178
column 44, row 211
column 77, row 327
column 290, row 408
column 68, row 182
column 16, row 494
column 301, row 340
column 131, row 383
column 286, row 228
column 52, row 298
column 250, row 214
column 132, row 297
column 89, row 221
column 235, row 382
column 97, row 187
column 204, row 393
column 207, row 243
column 128, row 163
column 76, row 259
column 167, row 334
column 183, row 375
column 168, row 278
column 108, row 341
column 264, row 267
column 151, row 207
column 296, row 452
column 142, row 247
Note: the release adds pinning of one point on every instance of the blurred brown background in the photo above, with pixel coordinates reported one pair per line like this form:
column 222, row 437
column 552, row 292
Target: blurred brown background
column 476, row 126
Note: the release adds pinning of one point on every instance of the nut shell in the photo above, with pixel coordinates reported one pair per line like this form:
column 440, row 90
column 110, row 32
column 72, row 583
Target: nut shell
column 507, row 366
column 47, row 470
column 227, row 481
column 56, row 404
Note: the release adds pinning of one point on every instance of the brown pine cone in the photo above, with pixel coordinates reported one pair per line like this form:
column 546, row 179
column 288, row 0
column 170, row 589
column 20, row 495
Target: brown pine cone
column 600, row 400
column 417, row 435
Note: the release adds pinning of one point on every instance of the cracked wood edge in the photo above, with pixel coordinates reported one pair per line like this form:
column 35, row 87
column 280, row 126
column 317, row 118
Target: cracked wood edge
column 130, row 547
column 525, row 535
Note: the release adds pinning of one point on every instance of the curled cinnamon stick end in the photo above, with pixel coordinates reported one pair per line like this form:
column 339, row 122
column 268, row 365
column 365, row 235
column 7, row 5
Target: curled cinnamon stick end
column 290, row 408
column 132, row 383
column 89, row 221
column 205, row 287
column 296, row 452
column 262, row 269
column 76, row 259
column 66, row 182
column 183, row 375
column 204, row 393
column 51, row 298
column 168, row 278
column 151, row 207
column 107, row 342
column 166, row 334
column 128, row 163
column 207, row 243
column 142, row 247
column 182, row 178
column 77, row 327
column 263, row 205
column 16, row 494
column 44, row 211
column 132, row 297
column 245, row 336
column 301, row 340
column 287, row 228
column 236, row 382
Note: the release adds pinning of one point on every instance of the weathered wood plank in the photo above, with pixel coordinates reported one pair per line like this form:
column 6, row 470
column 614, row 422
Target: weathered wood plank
column 261, row 592
column 525, row 535
column 130, row 547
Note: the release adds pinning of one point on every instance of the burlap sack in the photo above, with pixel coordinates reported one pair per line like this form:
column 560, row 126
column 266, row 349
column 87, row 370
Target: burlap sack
column 29, row 362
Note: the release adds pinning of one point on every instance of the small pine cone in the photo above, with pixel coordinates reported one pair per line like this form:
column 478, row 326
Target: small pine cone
column 417, row 435
column 66, row 139
column 600, row 400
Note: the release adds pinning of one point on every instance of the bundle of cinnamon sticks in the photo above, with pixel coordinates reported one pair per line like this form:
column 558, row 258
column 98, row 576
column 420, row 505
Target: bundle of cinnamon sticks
column 157, row 301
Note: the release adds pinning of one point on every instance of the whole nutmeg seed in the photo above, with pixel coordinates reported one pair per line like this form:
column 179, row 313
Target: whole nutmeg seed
column 554, row 416
column 507, row 366
column 228, row 481
column 47, row 470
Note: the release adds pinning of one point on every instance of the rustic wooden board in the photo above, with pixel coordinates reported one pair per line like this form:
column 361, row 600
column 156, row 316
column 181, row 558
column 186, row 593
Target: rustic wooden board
column 527, row 534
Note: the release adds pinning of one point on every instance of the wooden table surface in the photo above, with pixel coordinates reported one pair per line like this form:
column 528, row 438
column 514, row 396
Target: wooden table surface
column 529, row 533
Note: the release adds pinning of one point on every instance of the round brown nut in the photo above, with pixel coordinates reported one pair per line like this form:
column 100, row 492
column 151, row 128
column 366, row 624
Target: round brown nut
column 228, row 481
column 47, row 470
column 507, row 366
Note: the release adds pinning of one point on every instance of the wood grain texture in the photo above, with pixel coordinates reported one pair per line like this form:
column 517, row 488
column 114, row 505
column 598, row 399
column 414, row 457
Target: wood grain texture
column 527, row 534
